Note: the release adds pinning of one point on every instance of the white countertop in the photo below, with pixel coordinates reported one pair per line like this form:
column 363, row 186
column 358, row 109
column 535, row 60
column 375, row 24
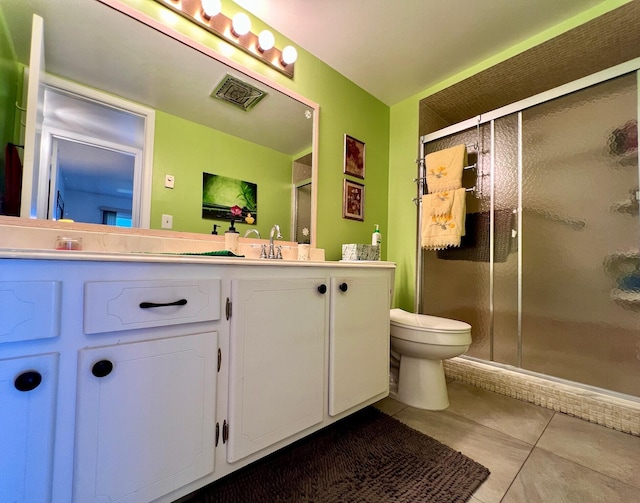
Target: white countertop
column 26, row 254
column 36, row 239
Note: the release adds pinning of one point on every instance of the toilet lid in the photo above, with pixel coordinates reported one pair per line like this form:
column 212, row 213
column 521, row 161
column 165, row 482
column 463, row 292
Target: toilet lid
column 427, row 323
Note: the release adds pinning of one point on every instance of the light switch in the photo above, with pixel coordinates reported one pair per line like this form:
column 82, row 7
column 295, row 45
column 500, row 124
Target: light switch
column 168, row 181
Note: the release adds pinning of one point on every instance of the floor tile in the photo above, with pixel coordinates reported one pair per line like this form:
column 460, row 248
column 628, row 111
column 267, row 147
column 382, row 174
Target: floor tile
column 502, row 454
column 390, row 406
column 516, row 418
column 602, row 449
column 546, row 478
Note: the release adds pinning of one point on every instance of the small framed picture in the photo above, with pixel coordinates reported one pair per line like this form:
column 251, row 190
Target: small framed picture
column 353, row 200
column 353, row 157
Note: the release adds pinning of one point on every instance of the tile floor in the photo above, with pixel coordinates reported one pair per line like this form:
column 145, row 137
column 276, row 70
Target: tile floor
column 535, row 455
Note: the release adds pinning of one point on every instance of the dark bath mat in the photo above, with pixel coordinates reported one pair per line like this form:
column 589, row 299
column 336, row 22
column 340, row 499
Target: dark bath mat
column 366, row 457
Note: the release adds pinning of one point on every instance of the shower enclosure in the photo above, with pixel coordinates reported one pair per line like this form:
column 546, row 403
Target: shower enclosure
column 548, row 273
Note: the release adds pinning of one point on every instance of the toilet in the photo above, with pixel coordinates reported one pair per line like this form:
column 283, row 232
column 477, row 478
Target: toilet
column 422, row 342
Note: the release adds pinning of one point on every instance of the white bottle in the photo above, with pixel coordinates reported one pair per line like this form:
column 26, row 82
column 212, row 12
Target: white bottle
column 376, row 237
column 231, row 241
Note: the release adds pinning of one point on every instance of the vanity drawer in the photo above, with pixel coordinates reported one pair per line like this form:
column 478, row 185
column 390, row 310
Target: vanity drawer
column 111, row 306
column 30, row 310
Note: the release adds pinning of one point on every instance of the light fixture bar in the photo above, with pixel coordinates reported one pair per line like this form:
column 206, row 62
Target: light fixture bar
column 221, row 26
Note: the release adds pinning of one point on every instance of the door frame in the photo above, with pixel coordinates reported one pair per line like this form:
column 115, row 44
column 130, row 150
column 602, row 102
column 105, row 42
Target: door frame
column 49, row 138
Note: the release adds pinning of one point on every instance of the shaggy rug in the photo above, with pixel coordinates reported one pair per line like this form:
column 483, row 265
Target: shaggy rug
column 366, row 457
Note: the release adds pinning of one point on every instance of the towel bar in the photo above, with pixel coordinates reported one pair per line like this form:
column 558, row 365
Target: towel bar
column 471, row 166
column 416, row 200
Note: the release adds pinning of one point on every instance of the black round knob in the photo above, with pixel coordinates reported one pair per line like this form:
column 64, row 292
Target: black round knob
column 102, row 368
column 322, row 289
column 28, row 380
column 343, row 287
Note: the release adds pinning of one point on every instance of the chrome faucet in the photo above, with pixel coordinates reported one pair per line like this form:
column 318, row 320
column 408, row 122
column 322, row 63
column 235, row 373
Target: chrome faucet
column 275, row 230
column 250, row 231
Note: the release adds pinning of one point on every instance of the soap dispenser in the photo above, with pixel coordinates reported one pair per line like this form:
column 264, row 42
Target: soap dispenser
column 231, row 239
column 376, row 237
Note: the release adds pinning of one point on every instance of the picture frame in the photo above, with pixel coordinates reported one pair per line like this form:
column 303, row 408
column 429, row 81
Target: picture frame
column 353, row 200
column 354, row 151
column 221, row 194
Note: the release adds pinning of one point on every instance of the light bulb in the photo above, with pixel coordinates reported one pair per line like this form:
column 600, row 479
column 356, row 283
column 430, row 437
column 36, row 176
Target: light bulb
column 211, row 8
column 289, row 55
column 241, row 24
column 265, row 40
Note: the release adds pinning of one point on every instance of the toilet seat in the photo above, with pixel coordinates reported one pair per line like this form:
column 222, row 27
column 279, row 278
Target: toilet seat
column 428, row 329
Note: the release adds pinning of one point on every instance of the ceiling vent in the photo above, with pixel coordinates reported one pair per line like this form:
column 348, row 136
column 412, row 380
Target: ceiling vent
column 238, row 93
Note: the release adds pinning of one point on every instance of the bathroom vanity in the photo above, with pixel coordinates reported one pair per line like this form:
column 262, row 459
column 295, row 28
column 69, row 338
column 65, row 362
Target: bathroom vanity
column 142, row 377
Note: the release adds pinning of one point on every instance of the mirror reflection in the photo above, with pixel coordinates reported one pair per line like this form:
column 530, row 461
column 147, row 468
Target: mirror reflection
column 125, row 105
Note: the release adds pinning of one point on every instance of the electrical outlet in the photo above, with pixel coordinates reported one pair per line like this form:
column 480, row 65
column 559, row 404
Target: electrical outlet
column 167, row 221
column 169, row 181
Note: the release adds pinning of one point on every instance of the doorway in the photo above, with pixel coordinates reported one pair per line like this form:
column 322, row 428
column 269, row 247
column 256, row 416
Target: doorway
column 92, row 183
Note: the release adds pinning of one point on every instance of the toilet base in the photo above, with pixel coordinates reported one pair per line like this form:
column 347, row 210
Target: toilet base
column 421, row 383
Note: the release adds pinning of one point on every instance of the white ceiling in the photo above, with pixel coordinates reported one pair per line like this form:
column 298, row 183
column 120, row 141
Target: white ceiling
column 397, row 48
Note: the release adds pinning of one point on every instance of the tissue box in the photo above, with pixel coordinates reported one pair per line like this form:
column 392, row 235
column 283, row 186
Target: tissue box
column 360, row 252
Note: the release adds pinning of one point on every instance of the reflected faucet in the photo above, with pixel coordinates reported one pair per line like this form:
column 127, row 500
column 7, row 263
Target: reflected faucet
column 275, row 229
column 250, row 231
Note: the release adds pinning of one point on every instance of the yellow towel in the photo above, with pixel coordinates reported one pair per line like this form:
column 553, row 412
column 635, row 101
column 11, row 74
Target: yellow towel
column 444, row 168
column 442, row 231
column 441, row 202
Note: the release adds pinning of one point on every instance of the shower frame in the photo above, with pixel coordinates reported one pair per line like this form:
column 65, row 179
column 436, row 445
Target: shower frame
column 488, row 119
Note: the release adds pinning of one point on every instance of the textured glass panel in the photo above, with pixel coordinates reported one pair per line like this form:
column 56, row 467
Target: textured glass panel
column 303, row 213
column 455, row 288
column 580, row 167
column 505, row 269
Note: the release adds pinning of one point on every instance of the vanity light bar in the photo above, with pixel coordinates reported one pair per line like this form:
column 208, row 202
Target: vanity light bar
column 222, row 26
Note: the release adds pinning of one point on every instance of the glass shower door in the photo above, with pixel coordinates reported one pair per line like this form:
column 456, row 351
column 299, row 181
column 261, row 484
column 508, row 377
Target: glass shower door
column 580, row 236
column 453, row 287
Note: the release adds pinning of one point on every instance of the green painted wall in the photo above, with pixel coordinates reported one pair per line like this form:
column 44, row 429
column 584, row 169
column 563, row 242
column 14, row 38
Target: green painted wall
column 9, row 76
column 344, row 108
column 404, row 145
column 403, row 221
column 186, row 150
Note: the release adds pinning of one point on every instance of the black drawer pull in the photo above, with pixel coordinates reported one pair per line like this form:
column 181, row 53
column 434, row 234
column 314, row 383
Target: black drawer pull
column 343, row 287
column 102, row 368
column 28, row 381
column 322, row 289
column 148, row 305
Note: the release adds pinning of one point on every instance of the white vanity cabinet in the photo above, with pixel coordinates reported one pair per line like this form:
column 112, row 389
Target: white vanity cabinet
column 277, row 360
column 28, row 387
column 144, row 378
column 145, row 416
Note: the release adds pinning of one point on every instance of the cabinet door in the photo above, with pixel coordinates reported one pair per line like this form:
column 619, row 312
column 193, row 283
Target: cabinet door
column 358, row 341
column 277, row 357
column 27, row 409
column 145, row 418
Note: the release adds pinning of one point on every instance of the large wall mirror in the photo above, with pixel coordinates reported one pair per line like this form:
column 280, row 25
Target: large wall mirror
column 93, row 50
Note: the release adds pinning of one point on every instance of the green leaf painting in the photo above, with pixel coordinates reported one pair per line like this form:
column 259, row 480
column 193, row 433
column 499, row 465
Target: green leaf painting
column 220, row 193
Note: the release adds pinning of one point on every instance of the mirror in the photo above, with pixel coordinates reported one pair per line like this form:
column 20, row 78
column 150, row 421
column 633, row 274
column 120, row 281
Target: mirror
column 94, row 45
